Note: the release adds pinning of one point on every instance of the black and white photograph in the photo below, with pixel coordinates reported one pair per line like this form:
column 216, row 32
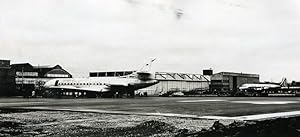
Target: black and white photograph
column 149, row 68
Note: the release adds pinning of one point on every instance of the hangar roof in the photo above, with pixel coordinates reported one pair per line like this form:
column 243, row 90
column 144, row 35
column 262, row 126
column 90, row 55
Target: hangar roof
column 167, row 76
column 237, row 74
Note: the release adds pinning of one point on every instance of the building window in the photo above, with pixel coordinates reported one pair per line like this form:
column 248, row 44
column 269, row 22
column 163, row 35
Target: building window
column 27, row 74
column 57, row 75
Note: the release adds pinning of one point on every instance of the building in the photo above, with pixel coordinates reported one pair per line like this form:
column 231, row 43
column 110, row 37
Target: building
column 229, row 82
column 31, row 78
column 7, row 79
column 168, row 82
column 110, row 73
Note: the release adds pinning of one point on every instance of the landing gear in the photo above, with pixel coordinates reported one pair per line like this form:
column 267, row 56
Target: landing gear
column 107, row 94
column 130, row 94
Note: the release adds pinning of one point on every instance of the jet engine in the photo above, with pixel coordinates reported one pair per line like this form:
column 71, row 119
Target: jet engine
column 145, row 76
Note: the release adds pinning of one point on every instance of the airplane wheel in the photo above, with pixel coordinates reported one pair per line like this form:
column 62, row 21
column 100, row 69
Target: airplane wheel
column 131, row 94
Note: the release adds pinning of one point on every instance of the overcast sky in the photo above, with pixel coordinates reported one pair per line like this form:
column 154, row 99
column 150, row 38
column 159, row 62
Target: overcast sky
column 254, row 36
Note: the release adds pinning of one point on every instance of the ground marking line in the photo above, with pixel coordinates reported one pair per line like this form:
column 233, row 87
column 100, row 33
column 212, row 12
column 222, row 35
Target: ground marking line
column 266, row 102
column 191, row 101
column 245, row 102
column 18, row 103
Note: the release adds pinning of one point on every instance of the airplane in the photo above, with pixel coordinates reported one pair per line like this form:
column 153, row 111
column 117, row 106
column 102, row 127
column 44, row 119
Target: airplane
column 264, row 86
column 102, row 86
column 291, row 87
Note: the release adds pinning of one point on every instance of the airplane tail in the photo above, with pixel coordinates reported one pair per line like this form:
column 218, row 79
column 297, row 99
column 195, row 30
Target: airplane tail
column 147, row 67
column 144, row 73
column 284, row 83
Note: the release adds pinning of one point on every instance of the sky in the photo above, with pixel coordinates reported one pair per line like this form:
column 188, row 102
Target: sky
column 250, row 36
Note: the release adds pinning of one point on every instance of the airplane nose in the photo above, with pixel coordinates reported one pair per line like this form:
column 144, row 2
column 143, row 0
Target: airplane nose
column 49, row 83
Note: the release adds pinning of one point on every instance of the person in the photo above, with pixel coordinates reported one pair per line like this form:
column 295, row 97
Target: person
column 117, row 95
column 33, row 93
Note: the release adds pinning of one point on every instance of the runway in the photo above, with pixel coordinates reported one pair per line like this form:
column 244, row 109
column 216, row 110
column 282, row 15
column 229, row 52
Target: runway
column 236, row 108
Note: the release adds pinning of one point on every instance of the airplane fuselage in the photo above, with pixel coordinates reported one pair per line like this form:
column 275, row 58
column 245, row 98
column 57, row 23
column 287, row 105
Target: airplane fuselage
column 104, row 85
column 99, row 84
column 259, row 86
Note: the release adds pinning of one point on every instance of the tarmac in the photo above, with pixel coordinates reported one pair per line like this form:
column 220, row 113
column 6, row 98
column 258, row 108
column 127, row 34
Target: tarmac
column 149, row 116
column 236, row 108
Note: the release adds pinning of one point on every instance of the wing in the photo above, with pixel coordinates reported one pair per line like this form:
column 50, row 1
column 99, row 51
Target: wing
column 118, row 87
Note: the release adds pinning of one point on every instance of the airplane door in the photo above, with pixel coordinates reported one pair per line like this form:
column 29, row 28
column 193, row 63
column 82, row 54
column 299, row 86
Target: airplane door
column 56, row 83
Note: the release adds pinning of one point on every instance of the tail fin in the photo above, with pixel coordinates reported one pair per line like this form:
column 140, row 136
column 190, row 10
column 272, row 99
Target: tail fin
column 283, row 83
column 147, row 67
column 144, row 73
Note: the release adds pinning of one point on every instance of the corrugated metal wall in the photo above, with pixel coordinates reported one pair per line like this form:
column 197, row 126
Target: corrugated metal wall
column 167, row 86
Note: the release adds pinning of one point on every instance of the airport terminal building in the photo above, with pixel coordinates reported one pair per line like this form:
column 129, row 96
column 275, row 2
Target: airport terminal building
column 169, row 82
column 29, row 78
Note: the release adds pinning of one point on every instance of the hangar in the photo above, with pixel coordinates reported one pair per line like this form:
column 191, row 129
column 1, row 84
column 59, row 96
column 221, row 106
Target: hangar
column 169, row 82
column 31, row 78
column 229, row 82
